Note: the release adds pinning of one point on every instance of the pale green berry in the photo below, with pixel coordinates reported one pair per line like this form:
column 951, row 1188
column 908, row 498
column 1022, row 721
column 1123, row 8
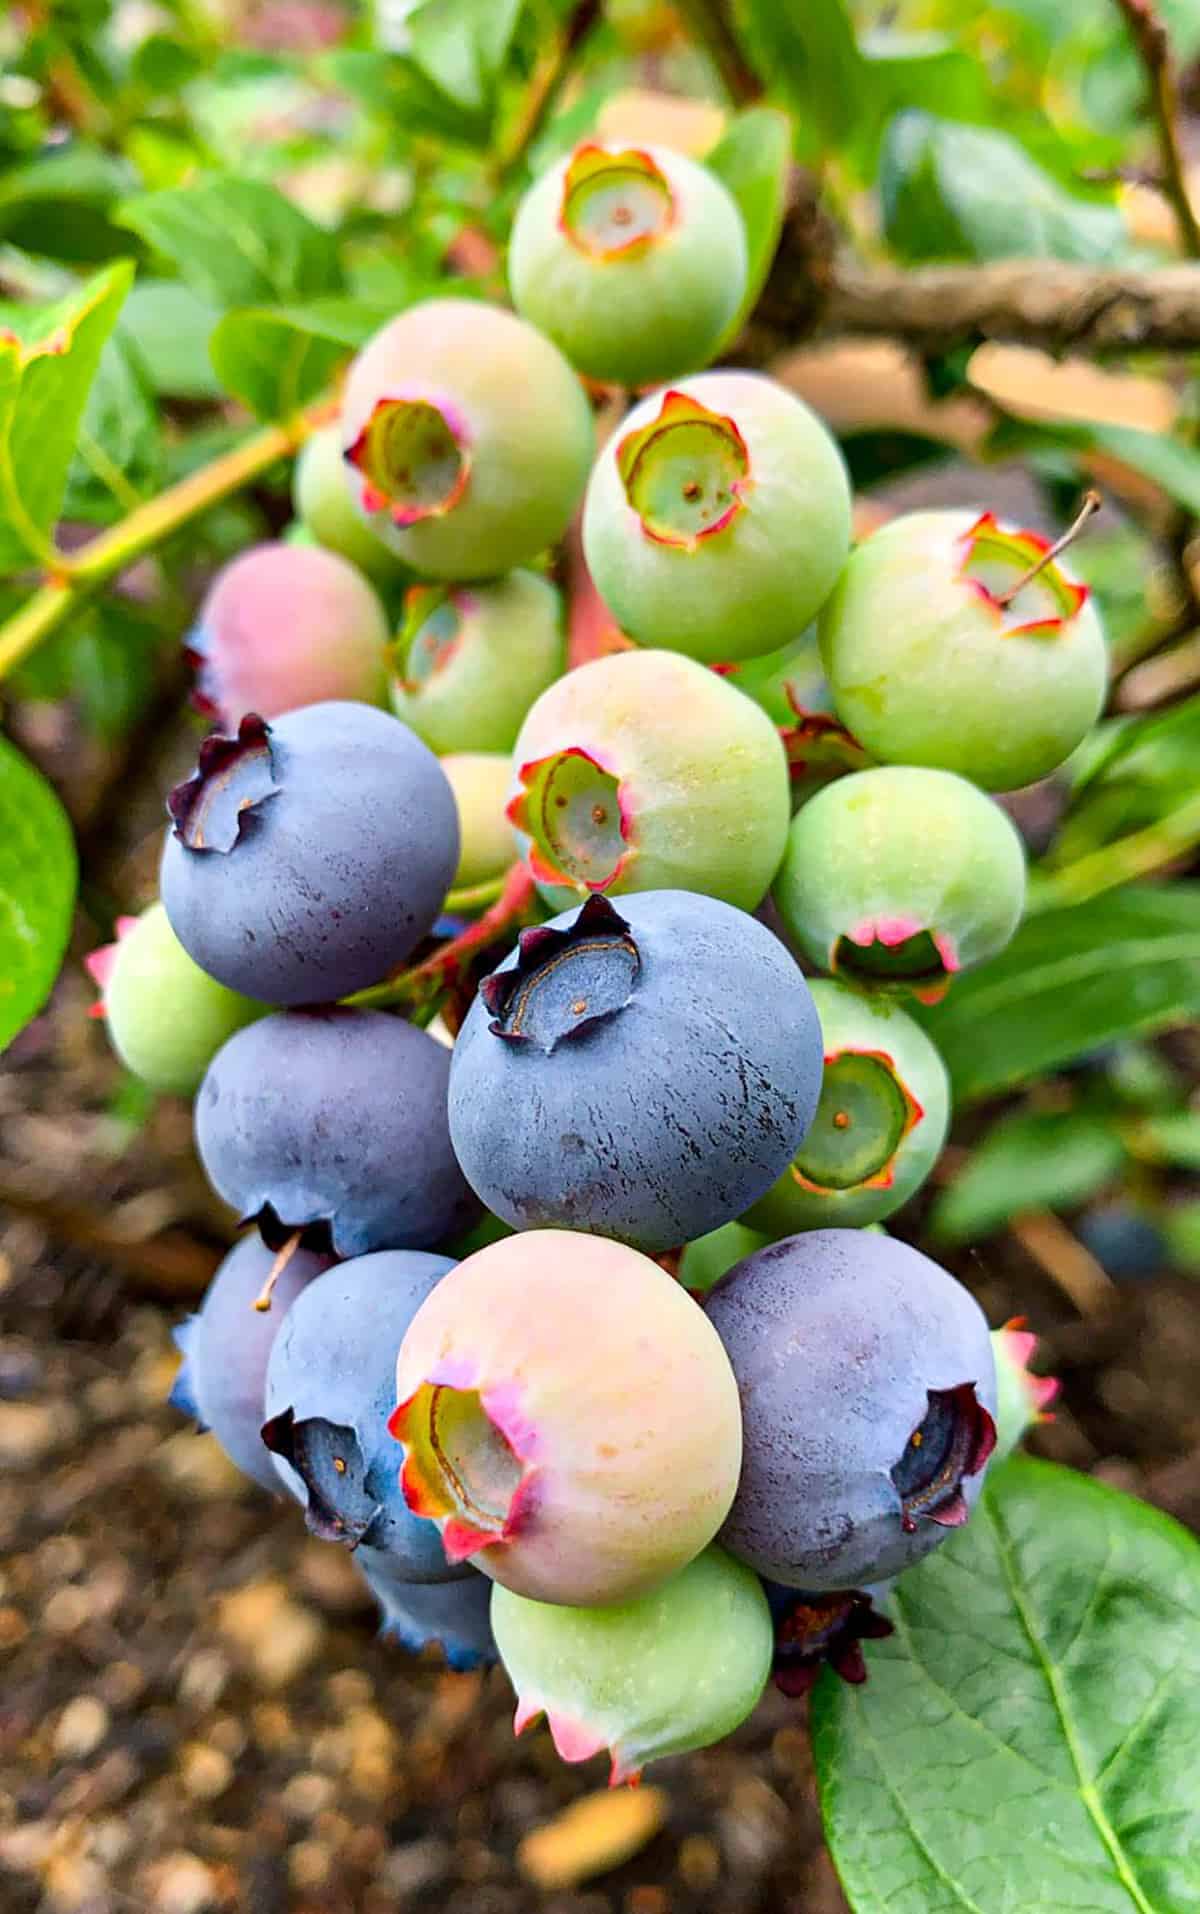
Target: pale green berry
column 321, row 489
column 480, row 781
column 471, row 659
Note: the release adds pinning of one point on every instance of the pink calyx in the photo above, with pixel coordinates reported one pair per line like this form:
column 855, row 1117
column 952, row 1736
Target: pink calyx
column 574, row 1740
column 471, row 1458
column 1020, row 1345
column 987, row 543
column 578, row 815
column 686, row 473
column 413, row 455
column 891, row 933
column 101, row 962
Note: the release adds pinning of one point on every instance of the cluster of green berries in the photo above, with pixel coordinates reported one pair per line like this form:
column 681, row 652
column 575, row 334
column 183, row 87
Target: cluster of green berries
column 645, row 1484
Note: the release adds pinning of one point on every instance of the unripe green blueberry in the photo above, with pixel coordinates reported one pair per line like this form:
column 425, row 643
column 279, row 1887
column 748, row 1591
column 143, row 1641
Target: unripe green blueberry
column 668, row 1672
column 935, row 658
column 480, row 781
column 470, row 436
column 633, row 262
column 569, row 1418
column 166, row 1017
column 325, row 510
column 880, row 1124
column 1022, row 1399
column 791, row 686
column 718, row 518
column 471, row 659
column 710, row 1257
column 900, row 876
column 643, row 771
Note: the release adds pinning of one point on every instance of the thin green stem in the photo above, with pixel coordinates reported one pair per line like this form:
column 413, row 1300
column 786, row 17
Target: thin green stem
column 1137, row 855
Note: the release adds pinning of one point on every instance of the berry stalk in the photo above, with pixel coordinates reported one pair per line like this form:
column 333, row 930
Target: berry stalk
column 417, row 987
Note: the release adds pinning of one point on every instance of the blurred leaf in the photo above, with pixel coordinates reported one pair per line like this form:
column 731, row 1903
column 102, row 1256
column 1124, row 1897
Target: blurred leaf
column 163, row 64
column 114, row 651
column 395, row 88
column 1164, row 461
column 805, row 50
column 461, row 45
column 277, row 358
column 236, row 241
column 874, row 457
column 118, row 453
column 170, row 326
column 1173, row 1136
column 753, row 157
column 48, row 358
column 1030, row 1161
column 1181, row 1227
column 951, row 191
column 37, row 890
column 1028, row 1738
column 1121, row 965
column 58, row 204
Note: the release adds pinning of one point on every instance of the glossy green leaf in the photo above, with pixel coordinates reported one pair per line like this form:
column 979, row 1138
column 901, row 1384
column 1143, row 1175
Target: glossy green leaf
column 236, row 241
column 37, row 890
column 1166, row 462
column 753, row 158
column 118, row 453
column 1028, row 1740
column 1028, row 1161
column 277, row 358
column 951, row 191
column 806, row 52
column 1122, row 965
column 48, row 359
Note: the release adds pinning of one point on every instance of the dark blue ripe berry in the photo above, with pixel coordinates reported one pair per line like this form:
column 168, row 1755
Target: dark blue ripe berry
column 308, row 856
column 643, row 1076
column 227, row 1344
column 334, row 1122
column 331, row 1386
column 868, row 1392
column 453, row 1616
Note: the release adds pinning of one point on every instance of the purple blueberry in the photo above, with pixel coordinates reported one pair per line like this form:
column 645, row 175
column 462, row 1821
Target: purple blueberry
column 310, row 855
column 330, row 1389
column 334, row 1122
column 643, row 1076
column 454, row 1616
column 226, row 1347
column 868, row 1391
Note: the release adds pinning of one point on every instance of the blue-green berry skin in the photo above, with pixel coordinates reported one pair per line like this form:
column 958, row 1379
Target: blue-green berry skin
column 453, row 1616
column 895, row 852
column 166, row 1018
column 853, row 1027
column 469, row 665
column 926, row 668
column 635, row 314
column 837, row 1339
column 665, row 1673
column 325, row 510
column 745, row 586
column 227, row 1346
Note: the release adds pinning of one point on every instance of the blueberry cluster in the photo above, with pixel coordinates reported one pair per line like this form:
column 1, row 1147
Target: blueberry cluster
column 578, row 1327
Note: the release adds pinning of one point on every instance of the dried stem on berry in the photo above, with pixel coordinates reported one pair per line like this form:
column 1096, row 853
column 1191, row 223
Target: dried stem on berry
column 1092, row 502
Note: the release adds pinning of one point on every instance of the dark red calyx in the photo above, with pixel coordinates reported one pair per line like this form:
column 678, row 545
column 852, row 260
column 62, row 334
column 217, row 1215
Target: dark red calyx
column 564, row 982
column 953, row 1441
column 819, row 1629
column 233, row 776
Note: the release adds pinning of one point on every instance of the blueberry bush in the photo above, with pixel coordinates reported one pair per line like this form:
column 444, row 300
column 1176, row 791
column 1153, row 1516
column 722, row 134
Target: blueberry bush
column 678, row 523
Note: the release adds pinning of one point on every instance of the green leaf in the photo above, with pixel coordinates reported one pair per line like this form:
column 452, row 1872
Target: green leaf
column 277, row 358
column 951, row 191
column 1166, row 462
column 753, row 157
column 461, row 45
column 395, row 88
column 59, row 203
column 236, row 241
column 170, row 327
column 1032, row 1160
column 118, row 454
column 1121, row 965
column 37, row 890
column 48, row 358
column 1028, row 1740
column 1173, row 1136
column 805, row 50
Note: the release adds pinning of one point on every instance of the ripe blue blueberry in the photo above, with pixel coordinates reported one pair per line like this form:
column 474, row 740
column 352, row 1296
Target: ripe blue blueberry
column 643, row 1075
column 226, row 1347
column 309, row 856
column 334, row 1122
column 329, row 1392
column 454, row 1616
column 868, row 1391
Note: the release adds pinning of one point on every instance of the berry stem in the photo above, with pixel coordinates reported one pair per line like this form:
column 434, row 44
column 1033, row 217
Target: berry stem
column 1092, row 502
column 414, row 988
column 74, row 580
column 1148, row 32
column 262, row 1302
column 709, row 24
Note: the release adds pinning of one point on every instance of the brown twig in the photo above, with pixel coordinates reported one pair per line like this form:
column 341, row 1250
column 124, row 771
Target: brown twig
column 414, row 988
column 1092, row 502
column 709, row 23
column 1149, row 34
column 1065, row 1260
column 544, row 88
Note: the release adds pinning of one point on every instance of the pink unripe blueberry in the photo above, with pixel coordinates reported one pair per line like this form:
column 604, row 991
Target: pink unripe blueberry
column 467, row 438
column 658, row 1675
column 643, row 771
column 470, row 659
column 283, row 626
column 880, row 1124
column 325, row 509
column 938, row 653
column 633, row 262
column 480, row 781
column 569, row 1418
column 718, row 517
column 898, row 877
column 1022, row 1399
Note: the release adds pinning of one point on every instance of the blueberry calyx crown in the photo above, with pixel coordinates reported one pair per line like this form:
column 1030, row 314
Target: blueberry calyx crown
column 953, row 1441
column 575, row 814
column 232, row 776
column 815, row 1629
column 686, row 473
column 429, row 636
column 564, row 982
column 995, row 562
column 413, row 458
column 864, row 1114
column 327, row 1458
column 615, row 206
column 896, row 954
